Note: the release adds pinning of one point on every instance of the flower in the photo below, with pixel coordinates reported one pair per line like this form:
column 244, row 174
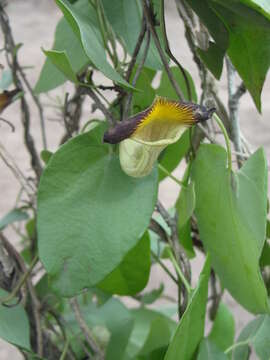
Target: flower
column 143, row 136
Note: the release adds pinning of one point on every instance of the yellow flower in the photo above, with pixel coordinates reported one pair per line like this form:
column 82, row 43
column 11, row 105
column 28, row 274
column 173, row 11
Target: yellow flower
column 143, row 136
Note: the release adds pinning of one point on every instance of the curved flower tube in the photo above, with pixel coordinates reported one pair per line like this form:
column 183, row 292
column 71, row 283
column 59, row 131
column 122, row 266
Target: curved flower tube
column 143, row 136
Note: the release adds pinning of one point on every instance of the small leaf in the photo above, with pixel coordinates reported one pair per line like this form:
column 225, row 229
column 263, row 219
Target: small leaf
column 13, row 216
column 153, row 295
column 90, row 214
column 257, row 334
column 183, row 346
column 85, row 25
column 223, row 329
column 46, row 155
column 61, row 61
column 209, row 351
column 131, row 276
column 14, row 325
column 232, row 221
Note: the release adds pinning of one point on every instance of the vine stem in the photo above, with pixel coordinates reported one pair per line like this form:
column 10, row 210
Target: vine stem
column 179, row 272
column 165, row 171
column 64, row 353
column 22, row 280
column 236, row 345
column 227, row 140
column 163, row 267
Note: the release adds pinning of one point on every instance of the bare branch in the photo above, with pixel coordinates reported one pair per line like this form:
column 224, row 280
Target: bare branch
column 149, row 16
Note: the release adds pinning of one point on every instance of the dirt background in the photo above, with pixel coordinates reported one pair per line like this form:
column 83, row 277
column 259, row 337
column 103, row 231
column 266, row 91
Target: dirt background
column 33, row 23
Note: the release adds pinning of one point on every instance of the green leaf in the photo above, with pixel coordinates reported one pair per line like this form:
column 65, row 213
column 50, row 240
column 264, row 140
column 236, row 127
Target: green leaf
column 256, row 334
column 268, row 229
column 231, row 214
column 90, row 213
column 13, row 216
column 183, row 345
column 265, row 257
column 146, row 94
column 213, row 58
column 14, row 325
column 185, row 204
column 6, row 79
column 167, row 90
column 248, row 48
column 151, row 331
column 223, row 329
column 209, row 351
column 125, row 18
column 84, row 24
column 153, row 295
column 65, row 40
column 61, row 61
column 184, row 234
column 254, row 11
column 173, row 154
column 131, row 276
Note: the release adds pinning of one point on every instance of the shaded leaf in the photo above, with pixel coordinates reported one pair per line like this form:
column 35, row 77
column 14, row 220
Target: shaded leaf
column 145, row 97
column 84, row 24
column 151, row 331
column 248, row 49
column 231, row 214
column 166, row 89
column 171, row 157
column 184, row 234
column 90, row 214
column 213, row 58
column 13, row 216
column 126, row 19
column 61, row 61
column 212, row 21
column 223, row 329
column 183, row 346
column 131, row 276
column 14, row 325
column 185, row 204
column 209, row 351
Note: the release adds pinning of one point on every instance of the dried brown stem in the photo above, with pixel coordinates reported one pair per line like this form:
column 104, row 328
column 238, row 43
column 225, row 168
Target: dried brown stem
column 85, row 329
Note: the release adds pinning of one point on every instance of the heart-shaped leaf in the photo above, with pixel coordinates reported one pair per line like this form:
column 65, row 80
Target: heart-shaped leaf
column 90, row 214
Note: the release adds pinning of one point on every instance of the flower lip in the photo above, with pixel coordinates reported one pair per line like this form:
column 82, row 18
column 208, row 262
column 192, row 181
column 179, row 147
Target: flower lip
column 160, row 113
